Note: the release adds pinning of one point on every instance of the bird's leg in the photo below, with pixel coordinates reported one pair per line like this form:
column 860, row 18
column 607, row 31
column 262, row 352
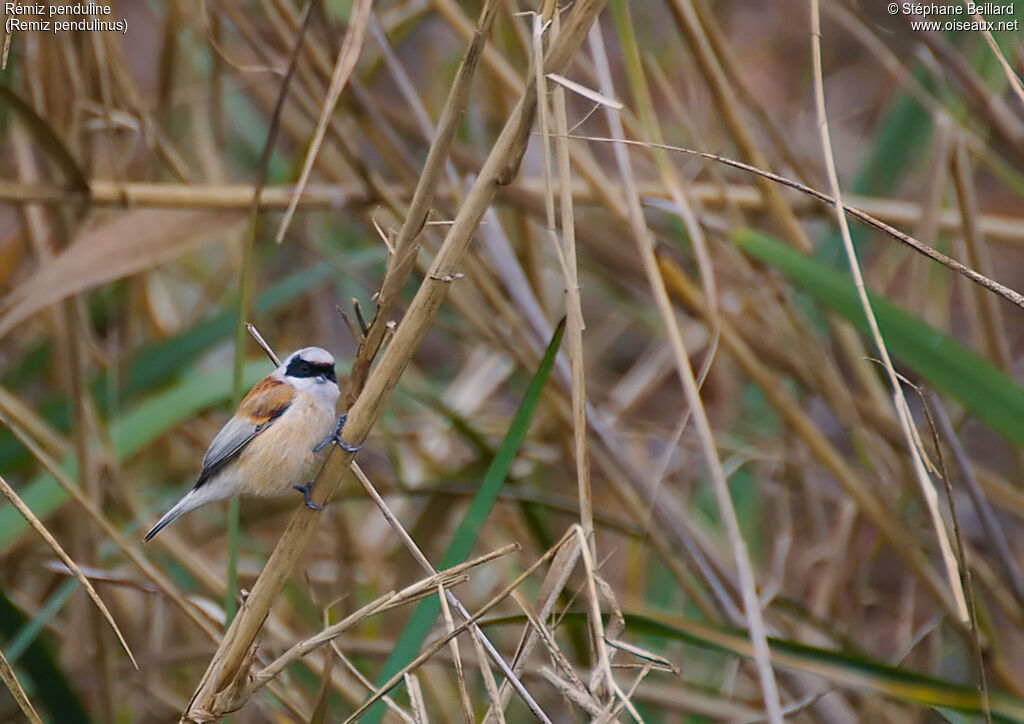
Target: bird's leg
column 304, row 489
column 335, row 437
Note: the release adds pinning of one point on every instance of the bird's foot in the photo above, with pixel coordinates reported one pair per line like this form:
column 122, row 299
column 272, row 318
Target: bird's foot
column 335, row 437
column 306, row 498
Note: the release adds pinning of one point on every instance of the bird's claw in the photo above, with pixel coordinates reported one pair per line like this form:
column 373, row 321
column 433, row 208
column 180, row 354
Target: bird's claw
column 335, row 437
column 306, row 498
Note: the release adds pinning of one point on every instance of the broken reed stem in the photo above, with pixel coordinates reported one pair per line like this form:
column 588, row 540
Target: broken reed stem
column 565, row 249
column 409, row 594
column 226, row 668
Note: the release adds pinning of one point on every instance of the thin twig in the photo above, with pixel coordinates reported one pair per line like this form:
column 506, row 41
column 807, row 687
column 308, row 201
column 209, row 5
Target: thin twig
column 267, row 349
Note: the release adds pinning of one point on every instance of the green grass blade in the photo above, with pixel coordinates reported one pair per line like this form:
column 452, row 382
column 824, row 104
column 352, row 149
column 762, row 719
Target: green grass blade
column 945, row 364
column 419, row 624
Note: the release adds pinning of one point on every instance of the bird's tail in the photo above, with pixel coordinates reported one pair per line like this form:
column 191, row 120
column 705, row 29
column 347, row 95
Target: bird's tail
column 189, row 502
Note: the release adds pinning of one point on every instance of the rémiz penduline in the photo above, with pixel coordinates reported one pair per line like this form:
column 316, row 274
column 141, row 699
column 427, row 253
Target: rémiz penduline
column 276, row 438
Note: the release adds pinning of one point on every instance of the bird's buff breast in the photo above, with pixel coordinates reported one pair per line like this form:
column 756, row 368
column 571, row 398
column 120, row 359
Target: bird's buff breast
column 284, row 455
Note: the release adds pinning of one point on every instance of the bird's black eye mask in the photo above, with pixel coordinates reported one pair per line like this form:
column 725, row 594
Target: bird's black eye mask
column 299, row 367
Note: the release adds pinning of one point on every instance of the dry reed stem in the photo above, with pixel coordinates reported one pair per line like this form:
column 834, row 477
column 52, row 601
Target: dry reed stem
column 727, row 512
column 413, row 592
column 565, row 250
column 43, row 533
column 416, row 702
column 460, row 674
column 343, row 67
column 173, row 195
column 899, row 400
column 17, row 692
column 336, row 197
column 992, row 329
column 989, row 523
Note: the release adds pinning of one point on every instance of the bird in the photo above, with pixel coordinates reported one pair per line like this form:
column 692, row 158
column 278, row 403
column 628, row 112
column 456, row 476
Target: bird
column 275, row 439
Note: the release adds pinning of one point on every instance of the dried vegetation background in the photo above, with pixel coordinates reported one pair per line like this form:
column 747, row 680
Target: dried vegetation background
column 832, row 585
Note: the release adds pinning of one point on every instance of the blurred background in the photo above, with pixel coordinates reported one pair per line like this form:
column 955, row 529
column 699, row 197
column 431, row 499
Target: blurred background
column 130, row 160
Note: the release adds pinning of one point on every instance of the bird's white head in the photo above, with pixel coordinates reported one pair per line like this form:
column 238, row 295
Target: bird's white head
column 310, row 370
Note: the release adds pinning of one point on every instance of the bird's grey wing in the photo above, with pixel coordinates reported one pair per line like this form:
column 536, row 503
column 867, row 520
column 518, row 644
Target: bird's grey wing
column 266, row 402
column 226, row 446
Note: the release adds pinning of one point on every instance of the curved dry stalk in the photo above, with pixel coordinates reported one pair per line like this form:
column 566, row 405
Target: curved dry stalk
column 39, row 528
column 899, row 399
column 17, row 692
column 993, row 286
